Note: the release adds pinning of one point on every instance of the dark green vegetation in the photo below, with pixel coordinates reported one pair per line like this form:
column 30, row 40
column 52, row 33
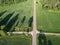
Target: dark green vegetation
column 8, row 2
column 17, row 17
column 48, row 40
column 50, row 4
column 48, row 20
column 16, row 40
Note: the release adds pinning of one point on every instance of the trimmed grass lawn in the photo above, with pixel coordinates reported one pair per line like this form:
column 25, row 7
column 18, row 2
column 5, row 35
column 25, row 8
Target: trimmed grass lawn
column 17, row 14
column 49, row 40
column 16, row 40
column 48, row 20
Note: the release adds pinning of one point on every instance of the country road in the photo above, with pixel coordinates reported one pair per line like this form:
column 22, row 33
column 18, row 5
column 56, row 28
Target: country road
column 35, row 31
column 34, row 25
column 31, row 33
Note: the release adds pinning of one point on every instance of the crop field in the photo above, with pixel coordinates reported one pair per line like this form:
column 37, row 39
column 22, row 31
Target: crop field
column 17, row 17
column 48, row 40
column 16, row 40
column 48, row 20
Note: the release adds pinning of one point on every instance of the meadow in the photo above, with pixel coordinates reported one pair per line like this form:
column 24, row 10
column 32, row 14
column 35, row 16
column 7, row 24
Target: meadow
column 16, row 40
column 48, row 20
column 43, row 39
column 18, row 17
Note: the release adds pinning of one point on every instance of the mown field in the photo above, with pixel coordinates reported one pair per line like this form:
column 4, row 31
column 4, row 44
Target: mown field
column 48, row 40
column 18, row 17
column 16, row 40
column 48, row 20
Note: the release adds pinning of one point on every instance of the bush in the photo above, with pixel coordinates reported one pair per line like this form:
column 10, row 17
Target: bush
column 2, row 33
column 57, row 5
column 46, row 6
column 7, row 2
column 2, row 27
column 27, row 29
column 17, row 28
column 51, row 4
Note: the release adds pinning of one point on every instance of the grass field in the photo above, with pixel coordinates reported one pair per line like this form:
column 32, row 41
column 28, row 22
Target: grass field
column 48, row 40
column 16, row 40
column 55, row 40
column 47, row 20
column 19, row 15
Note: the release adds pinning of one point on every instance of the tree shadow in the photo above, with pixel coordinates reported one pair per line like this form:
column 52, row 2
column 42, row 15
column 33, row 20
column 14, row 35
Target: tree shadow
column 22, row 21
column 30, row 22
column 5, row 20
column 20, row 1
column 49, row 42
column 11, row 23
column 17, row 23
column 43, row 40
column 36, row 2
column 3, row 13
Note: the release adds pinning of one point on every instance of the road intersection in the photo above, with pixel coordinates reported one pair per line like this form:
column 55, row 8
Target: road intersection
column 35, row 32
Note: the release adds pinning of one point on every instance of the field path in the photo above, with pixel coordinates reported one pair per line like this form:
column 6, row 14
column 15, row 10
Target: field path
column 35, row 32
column 31, row 33
column 34, row 25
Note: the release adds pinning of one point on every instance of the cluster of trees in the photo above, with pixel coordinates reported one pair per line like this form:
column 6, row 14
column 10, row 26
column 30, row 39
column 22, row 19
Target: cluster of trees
column 3, row 2
column 51, row 4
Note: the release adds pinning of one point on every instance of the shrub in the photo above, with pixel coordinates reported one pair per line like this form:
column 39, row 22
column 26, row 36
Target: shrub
column 17, row 28
column 57, row 5
column 27, row 29
column 2, row 33
column 2, row 27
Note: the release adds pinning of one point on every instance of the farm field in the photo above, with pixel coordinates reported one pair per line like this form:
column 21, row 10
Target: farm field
column 17, row 26
column 17, row 17
column 48, row 40
column 16, row 40
column 47, row 20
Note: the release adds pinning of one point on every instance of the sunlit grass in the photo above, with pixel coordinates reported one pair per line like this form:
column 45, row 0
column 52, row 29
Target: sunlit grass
column 23, row 9
column 47, row 20
column 16, row 40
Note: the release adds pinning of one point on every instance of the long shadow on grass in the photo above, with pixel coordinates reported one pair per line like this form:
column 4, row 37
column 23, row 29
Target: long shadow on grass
column 43, row 40
column 11, row 23
column 5, row 20
column 18, row 1
column 22, row 21
column 30, row 22
column 3, row 13
column 49, row 42
column 17, row 23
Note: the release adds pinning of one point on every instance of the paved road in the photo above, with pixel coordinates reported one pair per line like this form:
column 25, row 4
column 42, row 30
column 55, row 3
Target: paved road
column 34, row 25
column 56, row 34
column 35, row 32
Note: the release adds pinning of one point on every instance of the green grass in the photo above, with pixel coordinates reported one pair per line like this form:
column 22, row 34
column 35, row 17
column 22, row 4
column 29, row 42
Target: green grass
column 23, row 9
column 16, row 40
column 48, row 20
column 55, row 40
column 50, row 40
